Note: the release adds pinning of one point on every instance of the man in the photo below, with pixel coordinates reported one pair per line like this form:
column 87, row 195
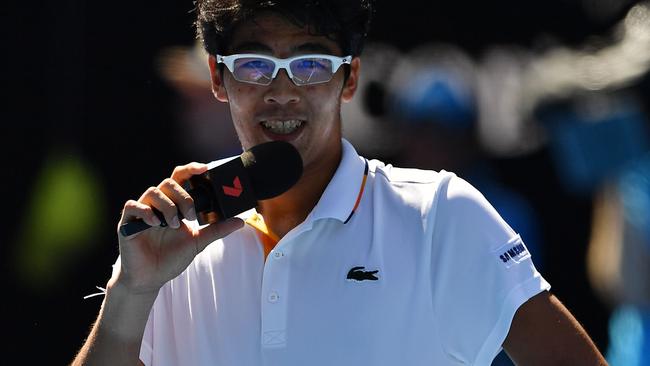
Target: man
column 358, row 263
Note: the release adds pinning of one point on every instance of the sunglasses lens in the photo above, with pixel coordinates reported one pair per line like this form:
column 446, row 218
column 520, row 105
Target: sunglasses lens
column 254, row 70
column 311, row 70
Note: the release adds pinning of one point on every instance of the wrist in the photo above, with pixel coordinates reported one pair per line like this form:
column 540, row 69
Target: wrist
column 122, row 284
column 124, row 313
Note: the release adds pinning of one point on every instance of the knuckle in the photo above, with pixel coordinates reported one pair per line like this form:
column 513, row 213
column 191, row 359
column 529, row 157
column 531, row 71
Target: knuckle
column 168, row 183
column 188, row 200
column 171, row 209
column 186, row 203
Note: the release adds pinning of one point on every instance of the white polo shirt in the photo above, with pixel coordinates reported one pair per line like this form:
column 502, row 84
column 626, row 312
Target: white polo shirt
column 423, row 272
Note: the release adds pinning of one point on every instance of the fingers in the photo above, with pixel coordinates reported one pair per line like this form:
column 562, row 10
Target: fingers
column 168, row 198
column 216, row 231
column 184, row 172
column 179, row 196
column 155, row 198
column 173, row 189
column 134, row 209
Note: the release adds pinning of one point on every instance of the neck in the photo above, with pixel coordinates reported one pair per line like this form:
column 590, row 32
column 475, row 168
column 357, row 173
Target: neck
column 284, row 212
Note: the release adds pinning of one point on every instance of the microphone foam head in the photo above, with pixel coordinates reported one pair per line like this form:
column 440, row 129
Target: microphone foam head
column 273, row 168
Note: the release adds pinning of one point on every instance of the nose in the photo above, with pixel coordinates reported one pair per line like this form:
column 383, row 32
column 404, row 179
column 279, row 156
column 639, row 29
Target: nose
column 282, row 90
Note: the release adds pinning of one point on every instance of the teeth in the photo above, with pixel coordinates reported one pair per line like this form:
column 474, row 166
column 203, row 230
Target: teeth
column 282, row 127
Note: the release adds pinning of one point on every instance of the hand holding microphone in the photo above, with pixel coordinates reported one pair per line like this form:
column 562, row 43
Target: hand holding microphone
column 262, row 172
column 214, row 197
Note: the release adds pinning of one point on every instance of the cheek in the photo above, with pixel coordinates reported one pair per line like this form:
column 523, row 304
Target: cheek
column 323, row 99
column 330, row 105
column 240, row 98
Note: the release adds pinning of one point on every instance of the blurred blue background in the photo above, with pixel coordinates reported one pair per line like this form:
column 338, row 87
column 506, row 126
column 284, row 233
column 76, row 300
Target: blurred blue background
column 542, row 105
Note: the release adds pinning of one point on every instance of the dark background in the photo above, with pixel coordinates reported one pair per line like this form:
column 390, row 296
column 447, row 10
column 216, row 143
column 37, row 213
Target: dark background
column 81, row 81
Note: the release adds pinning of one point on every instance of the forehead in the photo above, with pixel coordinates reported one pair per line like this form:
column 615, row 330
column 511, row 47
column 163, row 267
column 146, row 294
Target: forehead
column 275, row 34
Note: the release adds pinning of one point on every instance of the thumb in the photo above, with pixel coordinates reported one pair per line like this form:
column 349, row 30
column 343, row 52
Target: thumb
column 217, row 230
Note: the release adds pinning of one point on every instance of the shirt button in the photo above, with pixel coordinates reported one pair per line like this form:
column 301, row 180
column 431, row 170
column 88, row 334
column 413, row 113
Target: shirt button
column 278, row 255
column 274, row 297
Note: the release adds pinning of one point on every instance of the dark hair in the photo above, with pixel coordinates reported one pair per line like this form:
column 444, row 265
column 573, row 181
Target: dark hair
column 344, row 21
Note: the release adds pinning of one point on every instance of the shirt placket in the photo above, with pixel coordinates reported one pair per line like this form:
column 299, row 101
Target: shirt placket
column 275, row 298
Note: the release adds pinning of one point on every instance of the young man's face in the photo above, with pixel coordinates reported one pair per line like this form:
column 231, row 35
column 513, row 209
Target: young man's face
column 310, row 113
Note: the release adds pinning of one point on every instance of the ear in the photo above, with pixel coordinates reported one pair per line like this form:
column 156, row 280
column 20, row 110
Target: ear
column 352, row 82
column 218, row 87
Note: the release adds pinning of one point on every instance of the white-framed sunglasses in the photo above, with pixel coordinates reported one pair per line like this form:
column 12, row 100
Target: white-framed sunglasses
column 302, row 70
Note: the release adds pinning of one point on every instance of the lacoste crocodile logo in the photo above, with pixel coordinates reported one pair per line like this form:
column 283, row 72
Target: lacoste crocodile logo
column 358, row 274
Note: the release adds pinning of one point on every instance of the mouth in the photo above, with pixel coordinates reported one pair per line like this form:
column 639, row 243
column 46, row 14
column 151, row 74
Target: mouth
column 283, row 127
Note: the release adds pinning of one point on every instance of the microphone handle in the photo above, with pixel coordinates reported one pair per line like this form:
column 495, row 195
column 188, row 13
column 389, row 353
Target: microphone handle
column 208, row 191
column 138, row 225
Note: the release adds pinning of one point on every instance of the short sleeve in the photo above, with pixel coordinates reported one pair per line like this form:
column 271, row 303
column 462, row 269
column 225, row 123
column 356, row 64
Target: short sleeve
column 481, row 273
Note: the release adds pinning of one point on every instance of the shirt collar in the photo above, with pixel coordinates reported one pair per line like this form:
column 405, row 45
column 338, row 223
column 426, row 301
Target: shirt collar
column 340, row 198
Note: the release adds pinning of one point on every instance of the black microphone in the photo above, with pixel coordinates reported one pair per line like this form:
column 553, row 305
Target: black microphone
column 264, row 171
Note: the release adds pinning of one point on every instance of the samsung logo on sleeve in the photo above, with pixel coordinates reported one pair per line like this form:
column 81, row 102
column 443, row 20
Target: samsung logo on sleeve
column 512, row 253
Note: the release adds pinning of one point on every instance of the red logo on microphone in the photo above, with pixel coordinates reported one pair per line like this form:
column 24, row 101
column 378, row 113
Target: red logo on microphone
column 235, row 190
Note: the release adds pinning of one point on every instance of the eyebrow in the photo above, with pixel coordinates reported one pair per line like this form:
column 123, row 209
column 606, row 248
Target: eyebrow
column 253, row 47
